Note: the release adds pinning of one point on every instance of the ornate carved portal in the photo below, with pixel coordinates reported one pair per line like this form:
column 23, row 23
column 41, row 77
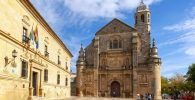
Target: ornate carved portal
column 115, row 89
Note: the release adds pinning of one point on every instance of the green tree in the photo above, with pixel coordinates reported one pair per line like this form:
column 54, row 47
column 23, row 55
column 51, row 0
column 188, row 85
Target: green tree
column 177, row 79
column 164, row 81
column 191, row 73
column 177, row 83
column 165, row 84
column 190, row 86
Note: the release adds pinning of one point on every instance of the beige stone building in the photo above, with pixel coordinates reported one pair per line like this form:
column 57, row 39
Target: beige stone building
column 120, row 62
column 34, row 62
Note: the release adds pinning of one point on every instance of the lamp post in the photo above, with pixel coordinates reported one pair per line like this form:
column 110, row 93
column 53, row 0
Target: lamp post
column 9, row 60
column 14, row 53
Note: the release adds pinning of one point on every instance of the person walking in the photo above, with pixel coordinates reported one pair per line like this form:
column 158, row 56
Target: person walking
column 149, row 97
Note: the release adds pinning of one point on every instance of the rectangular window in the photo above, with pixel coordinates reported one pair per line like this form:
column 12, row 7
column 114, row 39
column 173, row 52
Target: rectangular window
column 45, row 47
column 46, row 51
column 66, row 64
column 24, row 72
column 59, row 62
column 46, row 75
column 66, row 82
column 25, row 38
column 58, row 79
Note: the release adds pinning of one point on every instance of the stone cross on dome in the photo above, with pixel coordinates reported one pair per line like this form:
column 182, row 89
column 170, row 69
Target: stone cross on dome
column 142, row 1
column 142, row 6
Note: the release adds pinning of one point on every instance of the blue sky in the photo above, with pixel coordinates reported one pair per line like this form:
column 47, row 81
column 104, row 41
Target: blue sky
column 173, row 25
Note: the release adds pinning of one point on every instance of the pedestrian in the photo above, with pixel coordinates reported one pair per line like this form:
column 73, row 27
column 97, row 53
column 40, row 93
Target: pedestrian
column 142, row 97
column 146, row 96
column 138, row 96
column 149, row 97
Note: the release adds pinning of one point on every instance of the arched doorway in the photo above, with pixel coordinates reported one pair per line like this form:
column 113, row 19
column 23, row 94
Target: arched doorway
column 115, row 89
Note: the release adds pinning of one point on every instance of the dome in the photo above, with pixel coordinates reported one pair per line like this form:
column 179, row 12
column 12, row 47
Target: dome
column 142, row 7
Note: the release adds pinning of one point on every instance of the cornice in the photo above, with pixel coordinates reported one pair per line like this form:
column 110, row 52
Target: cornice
column 39, row 18
column 7, row 35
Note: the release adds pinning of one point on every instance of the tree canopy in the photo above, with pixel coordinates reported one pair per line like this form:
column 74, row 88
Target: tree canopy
column 179, row 82
column 191, row 73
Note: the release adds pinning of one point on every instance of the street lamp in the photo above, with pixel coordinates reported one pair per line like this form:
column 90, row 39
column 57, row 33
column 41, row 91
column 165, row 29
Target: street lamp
column 9, row 60
column 14, row 53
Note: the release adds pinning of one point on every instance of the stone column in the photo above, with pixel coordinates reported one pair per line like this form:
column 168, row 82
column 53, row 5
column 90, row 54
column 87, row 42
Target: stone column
column 123, row 95
column 106, row 94
column 80, row 84
column 30, row 82
column 156, row 64
column 41, row 87
column 134, row 83
column 157, row 82
column 80, row 93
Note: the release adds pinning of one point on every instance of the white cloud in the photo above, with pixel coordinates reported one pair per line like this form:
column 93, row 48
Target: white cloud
column 50, row 12
column 68, row 13
column 187, row 37
column 102, row 8
column 183, row 26
column 172, row 68
column 187, row 27
column 176, row 64
column 63, row 14
column 72, row 10
column 182, row 43
column 190, row 51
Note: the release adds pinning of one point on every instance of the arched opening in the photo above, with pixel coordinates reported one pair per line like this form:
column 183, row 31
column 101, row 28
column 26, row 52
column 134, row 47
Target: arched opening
column 142, row 18
column 135, row 19
column 148, row 17
column 115, row 44
column 115, row 89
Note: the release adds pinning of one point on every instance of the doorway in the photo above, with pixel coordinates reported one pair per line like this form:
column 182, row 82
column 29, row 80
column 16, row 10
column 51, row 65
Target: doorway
column 115, row 89
column 34, row 83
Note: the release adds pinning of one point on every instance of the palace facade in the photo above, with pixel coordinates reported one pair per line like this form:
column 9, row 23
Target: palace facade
column 120, row 62
column 34, row 62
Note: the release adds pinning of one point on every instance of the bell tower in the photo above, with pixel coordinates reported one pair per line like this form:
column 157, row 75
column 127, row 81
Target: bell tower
column 142, row 24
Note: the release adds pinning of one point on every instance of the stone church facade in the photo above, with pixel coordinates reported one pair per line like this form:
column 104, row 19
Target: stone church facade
column 120, row 62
